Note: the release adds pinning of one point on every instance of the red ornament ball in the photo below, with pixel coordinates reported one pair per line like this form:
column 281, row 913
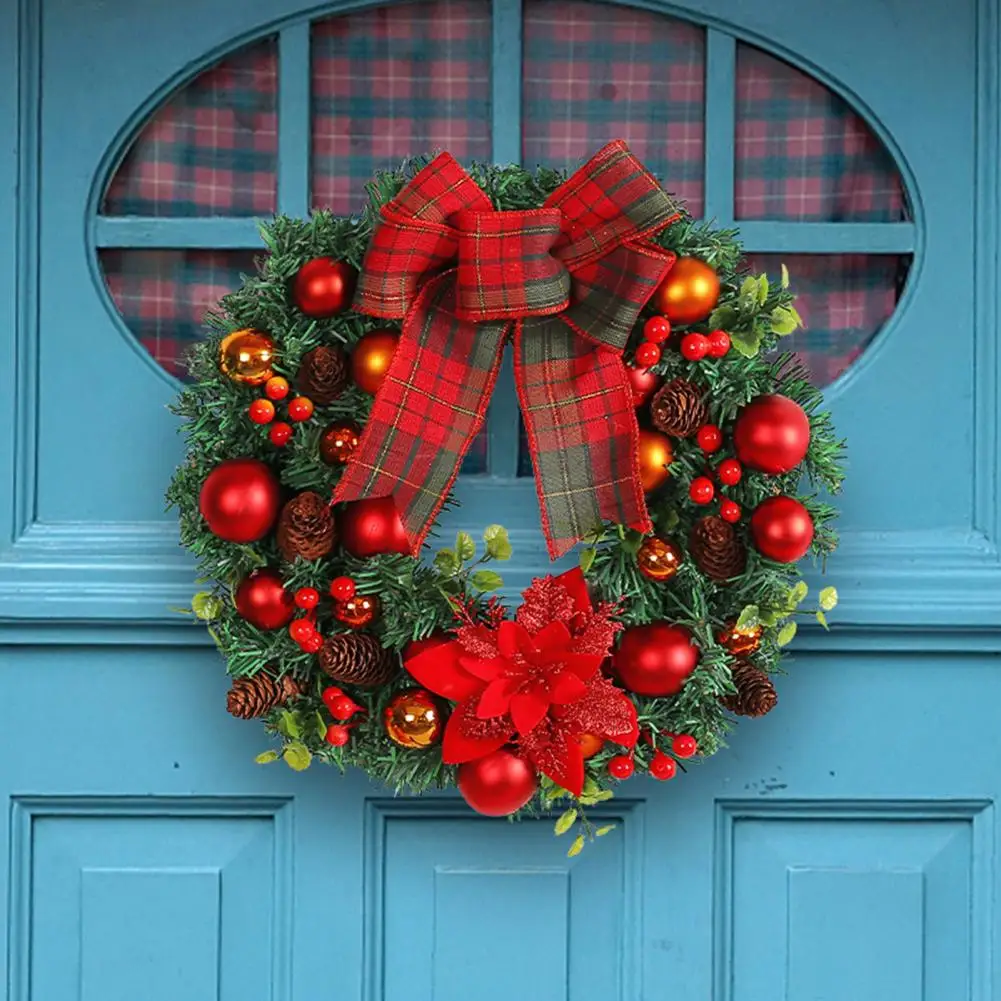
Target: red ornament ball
column 324, row 287
column 694, row 347
column 621, row 766
column 300, row 409
column 782, row 529
column 261, row 411
column 239, row 500
column 729, row 472
column 772, row 434
column 262, row 600
column 657, row 329
column 684, row 746
column 307, row 598
column 372, row 526
column 338, row 734
column 280, row 434
column 497, row 784
column 729, row 510
column 643, row 384
column 709, row 437
column 655, row 659
column 342, row 589
column 719, row 343
column 331, row 693
column 312, row 644
column 300, row 629
column 276, row 388
column 663, row 766
column 647, row 354
column 701, row 490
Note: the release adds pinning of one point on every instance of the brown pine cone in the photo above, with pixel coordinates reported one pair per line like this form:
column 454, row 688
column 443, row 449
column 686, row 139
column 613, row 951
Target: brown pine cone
column 678, row 409
column 306, row 527
column 256, row 695
column 755, row 693
column 323, row 374
column 717, row 549
column 357, row 659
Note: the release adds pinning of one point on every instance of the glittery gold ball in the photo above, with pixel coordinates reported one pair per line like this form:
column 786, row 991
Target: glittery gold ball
column 413, row 719
column 338, row 442
column 357, row 612
column 246, row 355
column 739, row 641
column 658, row 559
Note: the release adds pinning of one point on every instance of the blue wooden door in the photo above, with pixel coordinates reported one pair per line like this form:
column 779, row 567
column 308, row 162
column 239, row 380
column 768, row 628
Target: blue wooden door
column 842, row 849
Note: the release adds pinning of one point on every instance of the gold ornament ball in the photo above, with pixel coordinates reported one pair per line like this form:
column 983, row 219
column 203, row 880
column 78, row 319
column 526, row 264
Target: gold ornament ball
column 658, row 559
column 338, row 442
column 739, row 642
column 655, row 455
column 689, row 292
column 371, row 359
column 413, row 719
column 246, row 355
column 357, row 612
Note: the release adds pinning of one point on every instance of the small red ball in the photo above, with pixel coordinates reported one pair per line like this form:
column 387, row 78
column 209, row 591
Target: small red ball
column 307, row 597
column 262, row 600
column 655, row 659
column 497, row 784
column 663, row 766
column 280, row 433
column 312, row 643
column 701, row 490
column 261, row 411
column 342, row 589
column 338, row 734
column 276, row 388
column 621, row 766
column 684, row 746
column 719, row 343
column 324, row 287
column 694, row 347
column 709, row 437
column 657, row 329
column 343, row 707
column 239, row 500
column 299, row 629
column 647, row 354
column 729, row 472
column 729, row 510
column 643, row 384
column 331, row 693
column 782, row 529
column 300, row 409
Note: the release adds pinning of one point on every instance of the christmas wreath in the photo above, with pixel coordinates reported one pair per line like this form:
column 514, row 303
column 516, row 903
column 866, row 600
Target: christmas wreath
column 330, row 408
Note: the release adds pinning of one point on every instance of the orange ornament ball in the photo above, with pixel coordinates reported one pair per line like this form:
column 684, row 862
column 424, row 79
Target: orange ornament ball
column 245, row 356
column 357, row 612
column 590, row 745
column 413, row 719
column 338, row 442
column 689, row 293
column 371, row 359
column 658, row 559
column 655, row 455
column 739, row 641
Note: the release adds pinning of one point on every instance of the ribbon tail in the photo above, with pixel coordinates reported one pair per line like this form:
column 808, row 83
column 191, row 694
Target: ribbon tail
column 582, row 433
column 427, row 412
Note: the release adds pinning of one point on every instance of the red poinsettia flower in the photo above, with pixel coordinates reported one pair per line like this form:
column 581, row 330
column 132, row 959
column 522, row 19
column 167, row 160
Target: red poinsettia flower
column 534, row 681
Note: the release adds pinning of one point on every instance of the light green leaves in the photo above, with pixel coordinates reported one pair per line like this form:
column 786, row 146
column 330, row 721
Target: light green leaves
column 289, row 725
column 822, row 619
column 266, row 757
column 497, row 543
column 587, row 557
column 749, row 618
column 206, row 606
column 785, row 277
column 297, row 756
column 565, row 821
column 829, row 599
column 487, row 580
column 577, row 847
column 602, row 831
column 797, row 594
column 785, row 320
column 446, row 562
column 465, row 547
column 786, row 634
column 745, row 342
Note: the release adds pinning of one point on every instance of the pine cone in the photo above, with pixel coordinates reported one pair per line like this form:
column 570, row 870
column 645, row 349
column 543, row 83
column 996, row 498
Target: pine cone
column 717, row 549
column 755, row 693
column 323, row 374
column 678, row 409
column 256, row 695
column 357, row 659
column 306, row 527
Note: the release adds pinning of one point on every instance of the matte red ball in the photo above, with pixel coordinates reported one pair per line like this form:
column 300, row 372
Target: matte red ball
column 663, row 766
column 684, row 746
column 719, row 343
column 772, row 434
column 239, row 500
column 307, row 597
column 338, row 734
column 301, row 629
column 262, row 600
column 647, row 354
column 280, row 433
column 324, row 287
column 729, row 510
column 643, row 384
column 782, row 529
column 694, row 347
column 655, row 659
column 729, row 472
column 497, row 784
column 709, row 437
column 701, row 490
column 621, row 766
column 372, row 526
column 312, row 643
column 331, row 693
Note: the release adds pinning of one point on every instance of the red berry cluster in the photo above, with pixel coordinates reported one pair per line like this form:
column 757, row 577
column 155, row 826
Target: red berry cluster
column 662, row 766
column 342, row 707
column 694, row 347
column 262, row 411
column 303, row 630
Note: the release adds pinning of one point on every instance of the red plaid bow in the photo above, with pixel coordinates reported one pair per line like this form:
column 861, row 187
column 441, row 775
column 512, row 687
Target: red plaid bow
column 568, row 280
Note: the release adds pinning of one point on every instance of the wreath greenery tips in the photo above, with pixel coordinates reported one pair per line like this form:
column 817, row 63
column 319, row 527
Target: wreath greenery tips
column 332, row 403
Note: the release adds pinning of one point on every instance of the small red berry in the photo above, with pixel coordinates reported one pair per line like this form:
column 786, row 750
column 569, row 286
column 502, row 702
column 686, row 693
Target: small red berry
column 343, row 707
column 719, row 343
column 684, row 746
column 300, row 409
column 663, row 766
column 647, row 354
column 338, row 734
column 307, row 597
column 701, row 490
column 280, row 433
column 709, row 437
column 657, row 329
column 342, row 589
column 729, row 510
column 694, row 347
column 261, row 411
column 312, row 643
column 299, row 629
column 729, row 472
column 621, row 766
column 276, row 388
column 331, row 693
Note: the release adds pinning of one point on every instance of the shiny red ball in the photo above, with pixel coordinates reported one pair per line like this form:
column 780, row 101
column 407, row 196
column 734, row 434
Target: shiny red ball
column 372, row 526
column 261, row 411
column 701, row 490
column 684, row 746
column 300, row 629
column 643, row 384
column 262, row 600
column 497, row 784
column 719, row 343
column 300, row 409
column 276, row 388
column 307, row 597
column 621, row 767
column 782, row 529
column 342, row 589
column 331, row 693
column 709, row 438
column 239, row 500
column 280, row 433
column 694, row 347
column 647, row 354
column 655, row 659
column 338, row 734
column 312, row 643
column 729, row 510
column 324, row 287
column 663, row 766
column 343, row 707
column 729, row 472
column 772, row 434
column 657, row 329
